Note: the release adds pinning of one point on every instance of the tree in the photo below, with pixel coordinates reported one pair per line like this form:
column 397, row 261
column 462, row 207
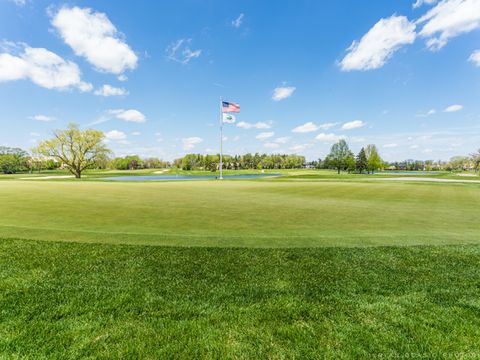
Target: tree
column 476, row 160
column 340, row 156
column 13, row 160
column 77, row 150
column 361, row 161
column 458, row 163
column 374, row 161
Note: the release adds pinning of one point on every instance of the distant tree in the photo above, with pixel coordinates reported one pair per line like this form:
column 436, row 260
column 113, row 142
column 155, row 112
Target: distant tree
column 458, row 163
column 340, row 157
column 374, row 161
column 77, row 150
column 475, row 157
column 13, row 160
column 361, row 162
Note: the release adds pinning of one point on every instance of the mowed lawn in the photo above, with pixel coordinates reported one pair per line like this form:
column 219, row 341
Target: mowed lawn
column 70, row 300
column 253, row 269
column 242, row 213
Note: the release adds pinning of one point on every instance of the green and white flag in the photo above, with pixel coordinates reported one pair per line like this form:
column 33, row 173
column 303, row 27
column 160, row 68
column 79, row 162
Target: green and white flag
column 228, row 119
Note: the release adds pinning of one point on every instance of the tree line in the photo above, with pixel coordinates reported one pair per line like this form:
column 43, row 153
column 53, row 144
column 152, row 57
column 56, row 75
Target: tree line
column 77, row 150
column 239, row 162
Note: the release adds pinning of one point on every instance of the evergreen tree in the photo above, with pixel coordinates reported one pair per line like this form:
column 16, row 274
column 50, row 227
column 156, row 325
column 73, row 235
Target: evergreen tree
column 361, row 161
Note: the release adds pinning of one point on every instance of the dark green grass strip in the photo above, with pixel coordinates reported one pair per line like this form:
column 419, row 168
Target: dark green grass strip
column 68, row 300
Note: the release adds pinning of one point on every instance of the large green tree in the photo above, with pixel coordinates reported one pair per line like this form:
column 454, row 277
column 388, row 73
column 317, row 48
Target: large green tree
column 340, row 157
column 13, row 160
column 374, row 161
column 77, row 150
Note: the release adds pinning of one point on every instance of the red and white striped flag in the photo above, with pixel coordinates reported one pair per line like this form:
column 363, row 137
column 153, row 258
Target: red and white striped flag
column 230, row 107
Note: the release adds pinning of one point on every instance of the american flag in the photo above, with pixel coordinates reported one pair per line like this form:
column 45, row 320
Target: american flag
column 230, row 107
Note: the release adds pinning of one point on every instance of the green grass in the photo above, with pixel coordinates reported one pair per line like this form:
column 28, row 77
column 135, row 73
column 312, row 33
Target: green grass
column 297, row 267
column 67, row 300
column 242, row 213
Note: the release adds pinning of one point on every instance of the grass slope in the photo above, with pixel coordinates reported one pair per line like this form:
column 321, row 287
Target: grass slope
column 260, row 213
column 67, row 300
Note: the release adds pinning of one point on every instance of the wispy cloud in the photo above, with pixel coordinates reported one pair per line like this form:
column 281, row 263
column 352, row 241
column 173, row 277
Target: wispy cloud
column 190, row 142
column 257, row 125
column 43, row 118
column 108, row 90
column 180, row 51
column 238, row 21
column 448, row 19
column 475, row 57
column 306, row 128
column 130, row 115
column 426, row 114
column 329, row 137
column 378, row 45
column 264, row 135
column 283, row 92
column 353, row 125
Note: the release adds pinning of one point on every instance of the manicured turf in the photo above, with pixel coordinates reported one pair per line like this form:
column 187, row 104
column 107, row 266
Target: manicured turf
column 67, row 300
column 263, row 213
column 289, row 268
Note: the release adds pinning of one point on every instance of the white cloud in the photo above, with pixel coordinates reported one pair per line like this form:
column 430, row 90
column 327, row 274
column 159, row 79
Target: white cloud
column 306, row 128
column 475, row 57
column 358, row 139
column 378, row 45
column 428, row 113
column 108, row 90
column 283, row 92
column 19, row 2
column 419, row 3
column 190, row 142
column 453, row 108
column 327, row 126
column 264, row 135
column 128, row 115
column 122, row 77
column 115, row 135
column 282, row 140
column 43, row 118
column 415, row 146
column 91, row 35
column 238, row 21
column 329, row 137
column 180, row 51
column 353, row 125
column 44, row 68
column 270, row 145
column 300, row 147
column 258, row 125
column 136, row 133
column 448, row 19
column 392, row 145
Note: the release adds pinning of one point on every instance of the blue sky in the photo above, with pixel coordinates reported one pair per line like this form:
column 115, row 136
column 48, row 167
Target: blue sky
column 403, row 75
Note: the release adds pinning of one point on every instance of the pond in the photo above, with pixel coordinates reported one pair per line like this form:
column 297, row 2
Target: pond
column 387, row 172
column 186, row 177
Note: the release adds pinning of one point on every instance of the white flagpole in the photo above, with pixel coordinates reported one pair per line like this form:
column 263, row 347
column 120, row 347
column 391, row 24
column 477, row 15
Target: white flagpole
column 221, row 139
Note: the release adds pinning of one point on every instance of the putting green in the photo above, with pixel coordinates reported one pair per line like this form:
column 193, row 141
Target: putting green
column 242, row 213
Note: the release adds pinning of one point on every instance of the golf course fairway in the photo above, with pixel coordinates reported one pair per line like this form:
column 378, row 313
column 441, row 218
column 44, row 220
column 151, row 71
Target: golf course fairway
column 239, row 269
column 242, row 213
